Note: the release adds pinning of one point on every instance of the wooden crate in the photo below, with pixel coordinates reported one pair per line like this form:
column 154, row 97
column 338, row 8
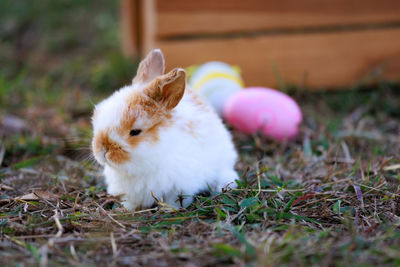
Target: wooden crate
column 311, row 43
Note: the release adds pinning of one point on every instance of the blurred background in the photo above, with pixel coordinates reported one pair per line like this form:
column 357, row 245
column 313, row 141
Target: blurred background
column 59, row 57
column 313, row 43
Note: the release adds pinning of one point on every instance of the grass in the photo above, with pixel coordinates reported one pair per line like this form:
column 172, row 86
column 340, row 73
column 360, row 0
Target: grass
column 328, row 198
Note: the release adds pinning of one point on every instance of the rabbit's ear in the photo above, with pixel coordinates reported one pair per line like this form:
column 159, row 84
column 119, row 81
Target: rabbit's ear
column 150, row 67
column 168, row 89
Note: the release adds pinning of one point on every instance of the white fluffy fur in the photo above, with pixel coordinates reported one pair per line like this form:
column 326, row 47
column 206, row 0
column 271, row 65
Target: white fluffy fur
column 193, row 154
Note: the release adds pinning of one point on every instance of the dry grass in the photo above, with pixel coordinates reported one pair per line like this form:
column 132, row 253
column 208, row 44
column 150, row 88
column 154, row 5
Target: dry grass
column 329, row 198
column 323, row 199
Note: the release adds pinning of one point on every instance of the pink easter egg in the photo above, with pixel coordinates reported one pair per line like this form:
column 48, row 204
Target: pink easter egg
column 269, row 111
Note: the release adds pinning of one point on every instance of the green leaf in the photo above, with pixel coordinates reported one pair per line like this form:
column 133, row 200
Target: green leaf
column 27, row 163
column 289, row 204
column 167, row 223
column 275, row 180
column 226, row 250
column 220, row 213
column 145, row 229
column 33, row 250
column 228, row 208
column 248, row 202
column 253, row 217
column 249, row 248
column 336, row 207
column 3, row 222
column 307, row 148
column 325, row 143
column 297, row 217
column 201, row 209
column 228, row 201
column 356, row 166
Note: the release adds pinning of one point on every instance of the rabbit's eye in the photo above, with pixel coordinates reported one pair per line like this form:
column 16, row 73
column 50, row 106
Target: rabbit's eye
column 135, row 132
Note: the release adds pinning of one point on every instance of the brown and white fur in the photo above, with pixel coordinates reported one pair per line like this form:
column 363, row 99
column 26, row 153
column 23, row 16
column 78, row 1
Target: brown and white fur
column 158, row 137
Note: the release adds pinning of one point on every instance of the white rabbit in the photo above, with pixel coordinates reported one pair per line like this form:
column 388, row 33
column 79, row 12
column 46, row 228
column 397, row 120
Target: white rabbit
column 158, row 137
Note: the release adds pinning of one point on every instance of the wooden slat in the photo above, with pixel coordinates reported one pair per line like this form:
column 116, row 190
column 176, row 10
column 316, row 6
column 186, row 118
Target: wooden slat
column 138, row 28
column 129, row 23
column 185, row 17
column 282, row 6
column 316, row 60
column 181, row 24
column 148, row 11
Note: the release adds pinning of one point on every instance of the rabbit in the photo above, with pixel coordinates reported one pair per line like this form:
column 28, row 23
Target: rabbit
column 158, row 139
